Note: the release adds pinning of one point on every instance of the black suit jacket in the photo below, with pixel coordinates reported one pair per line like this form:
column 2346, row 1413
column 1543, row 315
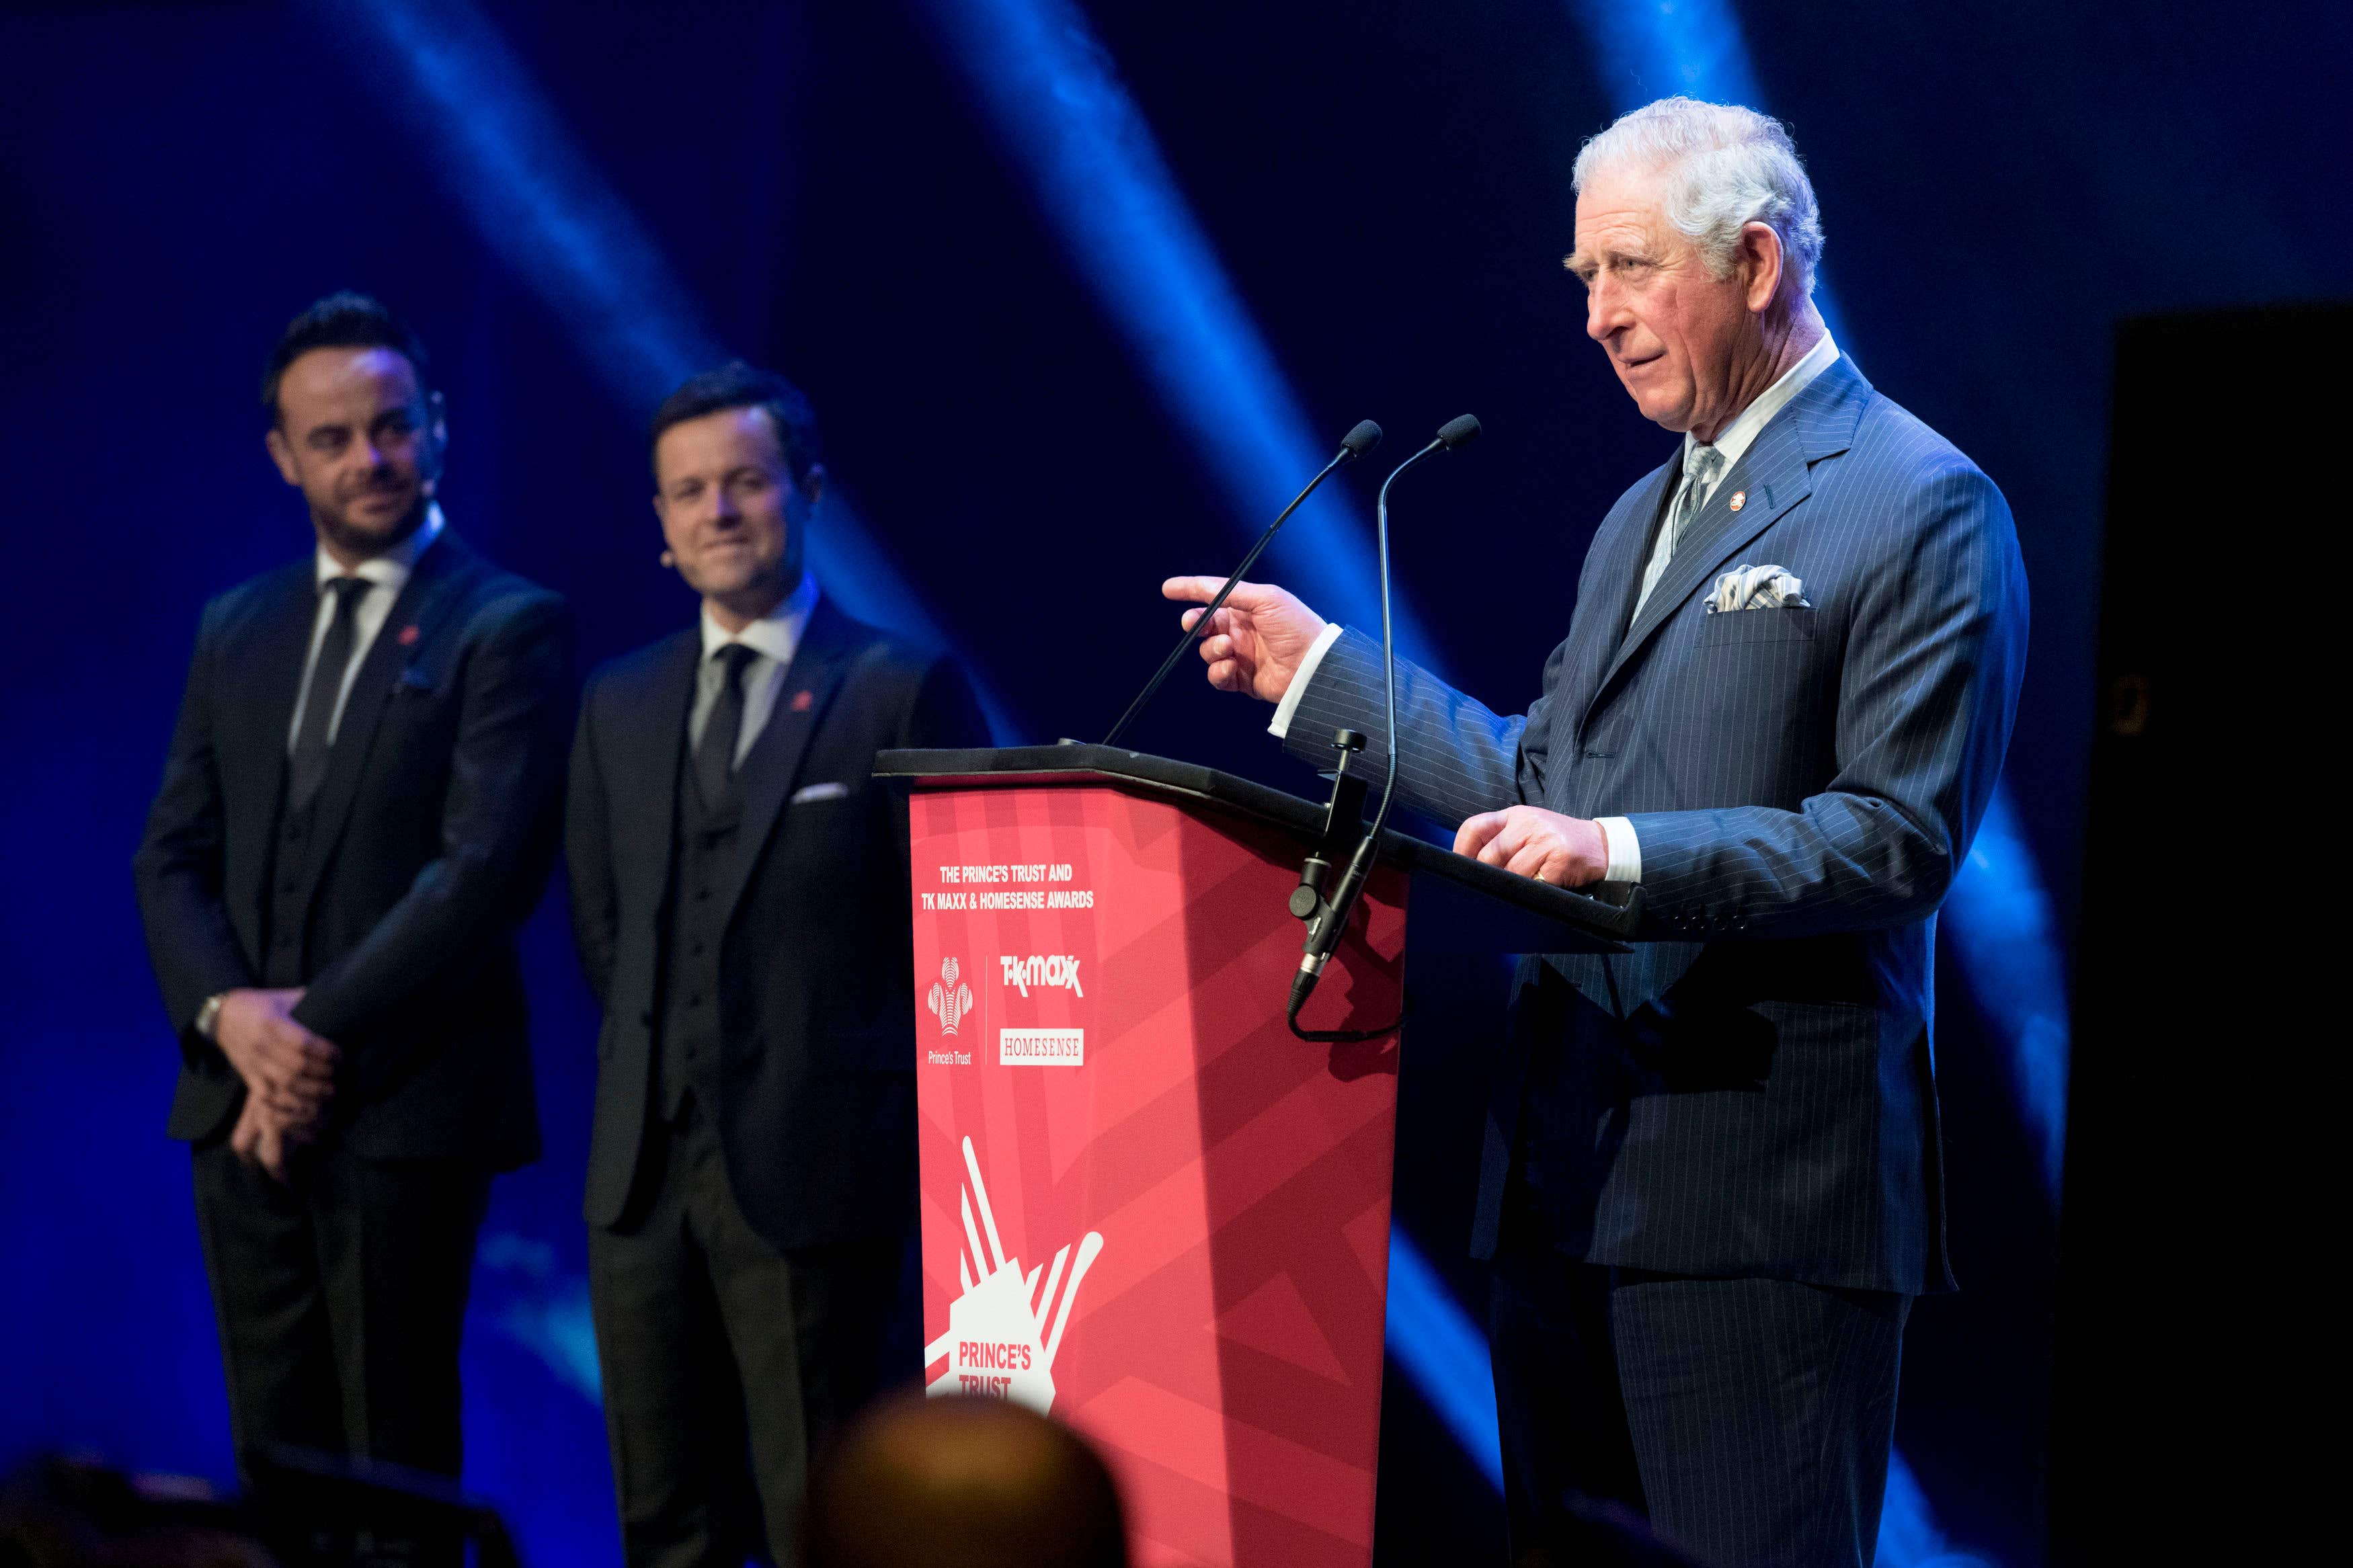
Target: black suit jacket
column 434, row 834
column 817, row 988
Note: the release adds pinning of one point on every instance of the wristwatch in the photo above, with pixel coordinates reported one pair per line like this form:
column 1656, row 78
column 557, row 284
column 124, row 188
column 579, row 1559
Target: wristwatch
column 208, row 1016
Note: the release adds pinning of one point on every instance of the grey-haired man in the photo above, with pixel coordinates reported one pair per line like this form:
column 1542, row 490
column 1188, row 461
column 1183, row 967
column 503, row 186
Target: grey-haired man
column 1712, row 1182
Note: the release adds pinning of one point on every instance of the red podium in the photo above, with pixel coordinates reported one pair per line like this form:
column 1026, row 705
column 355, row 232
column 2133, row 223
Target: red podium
column 1147, row 1207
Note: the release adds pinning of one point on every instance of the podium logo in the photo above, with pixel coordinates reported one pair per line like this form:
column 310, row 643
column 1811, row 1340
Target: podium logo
column 998, row 1344
column 1059, row 972
column 1041, row 1047
column 950, row 1002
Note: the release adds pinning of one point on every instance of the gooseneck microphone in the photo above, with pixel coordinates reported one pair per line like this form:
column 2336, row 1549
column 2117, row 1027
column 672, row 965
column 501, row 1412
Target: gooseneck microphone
column 1354, row 444
column 1325, row 928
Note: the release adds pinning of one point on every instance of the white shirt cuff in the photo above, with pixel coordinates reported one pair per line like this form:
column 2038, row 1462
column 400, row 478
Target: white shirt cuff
column 1625, row 849
column 1280, row 726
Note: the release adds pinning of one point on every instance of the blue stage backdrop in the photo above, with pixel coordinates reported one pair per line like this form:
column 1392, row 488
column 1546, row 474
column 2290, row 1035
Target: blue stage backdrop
column 1081, row 293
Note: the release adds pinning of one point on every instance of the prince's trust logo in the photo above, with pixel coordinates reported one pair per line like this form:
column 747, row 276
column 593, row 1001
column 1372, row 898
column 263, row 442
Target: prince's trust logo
column 949, row 1001
column 997, row 1344
column 1059, row 972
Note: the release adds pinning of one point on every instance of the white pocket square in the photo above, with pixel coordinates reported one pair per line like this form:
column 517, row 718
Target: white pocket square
column 807, row 792
column 1757, row 588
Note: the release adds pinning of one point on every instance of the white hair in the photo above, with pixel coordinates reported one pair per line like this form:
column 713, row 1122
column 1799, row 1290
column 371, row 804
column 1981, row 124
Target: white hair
column 1722, row 166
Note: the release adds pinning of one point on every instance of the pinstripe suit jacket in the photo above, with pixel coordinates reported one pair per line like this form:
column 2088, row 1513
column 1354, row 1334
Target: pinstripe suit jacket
column 1752, row 1090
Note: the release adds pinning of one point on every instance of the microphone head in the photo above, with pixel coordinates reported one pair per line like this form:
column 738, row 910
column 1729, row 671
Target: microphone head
column 1458, row 432
column 1362, row 439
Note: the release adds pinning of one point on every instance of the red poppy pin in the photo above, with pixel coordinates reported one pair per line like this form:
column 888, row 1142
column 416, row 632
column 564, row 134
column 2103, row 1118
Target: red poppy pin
column 1739, row 500
column 803, row 701
column 408, row 636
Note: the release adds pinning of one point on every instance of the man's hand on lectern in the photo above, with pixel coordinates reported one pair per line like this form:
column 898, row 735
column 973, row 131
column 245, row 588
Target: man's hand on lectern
column 1260, row 635
column 1529, row 841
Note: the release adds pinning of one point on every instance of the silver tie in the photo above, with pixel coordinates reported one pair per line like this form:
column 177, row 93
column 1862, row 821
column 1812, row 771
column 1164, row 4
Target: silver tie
column 1699, row 479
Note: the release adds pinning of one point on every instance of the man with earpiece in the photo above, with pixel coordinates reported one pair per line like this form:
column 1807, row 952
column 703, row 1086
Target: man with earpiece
column 739, row 887
column 357, row 813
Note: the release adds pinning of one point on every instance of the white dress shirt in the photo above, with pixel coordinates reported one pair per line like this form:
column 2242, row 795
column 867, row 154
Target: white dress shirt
column 1625, row 849
column 774, row 637
column 387, row 575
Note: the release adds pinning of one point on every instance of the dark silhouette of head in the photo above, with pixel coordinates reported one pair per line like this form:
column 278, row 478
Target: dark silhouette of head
column 963, row 1483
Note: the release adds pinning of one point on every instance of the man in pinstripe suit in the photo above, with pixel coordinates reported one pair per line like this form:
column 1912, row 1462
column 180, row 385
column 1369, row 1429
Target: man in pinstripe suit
column 1712, row 1181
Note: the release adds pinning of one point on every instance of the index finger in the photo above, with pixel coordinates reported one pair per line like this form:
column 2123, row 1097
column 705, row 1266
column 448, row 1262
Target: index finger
column 1477, row 831
column 1197, row 590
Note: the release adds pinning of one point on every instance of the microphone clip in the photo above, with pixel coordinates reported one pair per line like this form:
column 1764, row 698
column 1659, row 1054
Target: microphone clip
column 1344, row 830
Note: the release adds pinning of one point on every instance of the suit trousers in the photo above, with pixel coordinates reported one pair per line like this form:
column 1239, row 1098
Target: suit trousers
column 341, row 1295
column 1750, row 1419
column 728, row 1363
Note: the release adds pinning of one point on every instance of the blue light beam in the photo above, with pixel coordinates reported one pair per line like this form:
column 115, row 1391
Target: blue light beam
column 563, row 231
column 1997, row 924
column 1055, row 101
column 1445, row 1355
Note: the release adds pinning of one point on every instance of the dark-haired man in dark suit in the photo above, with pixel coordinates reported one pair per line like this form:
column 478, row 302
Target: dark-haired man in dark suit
column 740, row 895
column 353, row 819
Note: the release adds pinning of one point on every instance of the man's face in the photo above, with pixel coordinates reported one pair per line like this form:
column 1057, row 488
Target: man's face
column 730, row 510
column 1672, row 332
column 356, row 435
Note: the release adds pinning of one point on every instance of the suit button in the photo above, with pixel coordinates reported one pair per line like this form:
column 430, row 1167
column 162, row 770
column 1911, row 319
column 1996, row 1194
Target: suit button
column 647, row 1017
column 701, row 894
column 697, row 950
column 695, row 1001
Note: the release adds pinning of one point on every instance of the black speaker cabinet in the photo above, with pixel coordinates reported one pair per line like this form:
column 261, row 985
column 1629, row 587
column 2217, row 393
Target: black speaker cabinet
column 2200, row 1212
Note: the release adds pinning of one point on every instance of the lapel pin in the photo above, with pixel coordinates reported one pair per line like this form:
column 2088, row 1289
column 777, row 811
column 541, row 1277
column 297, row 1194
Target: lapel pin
column 803, row 701
column 408, row 636
column 1739, row 500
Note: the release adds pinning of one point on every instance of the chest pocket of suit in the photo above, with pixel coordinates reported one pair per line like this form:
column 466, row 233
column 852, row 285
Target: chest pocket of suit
column 1769, row 680
column 1791, row 623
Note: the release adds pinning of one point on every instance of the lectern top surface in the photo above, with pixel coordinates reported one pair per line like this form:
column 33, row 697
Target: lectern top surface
column 1488, row 908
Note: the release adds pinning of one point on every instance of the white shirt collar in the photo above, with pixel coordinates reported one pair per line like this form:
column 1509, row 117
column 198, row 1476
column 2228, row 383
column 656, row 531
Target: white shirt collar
column 1737, row 437
column 391, row 569
column 776, row 634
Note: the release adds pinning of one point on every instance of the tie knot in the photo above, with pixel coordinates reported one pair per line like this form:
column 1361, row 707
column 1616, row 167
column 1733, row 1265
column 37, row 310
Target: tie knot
column 347, row 591
column 1707, row 463
column 732, row 657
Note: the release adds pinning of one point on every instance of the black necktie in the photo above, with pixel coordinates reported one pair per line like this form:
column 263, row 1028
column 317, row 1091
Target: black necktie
column 714, row 759
column 311, row 741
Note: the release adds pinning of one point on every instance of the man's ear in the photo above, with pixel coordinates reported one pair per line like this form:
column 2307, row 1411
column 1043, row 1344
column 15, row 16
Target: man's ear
column 812, row 484
column 281, row 452
column 1760, row 256
column 661, row 519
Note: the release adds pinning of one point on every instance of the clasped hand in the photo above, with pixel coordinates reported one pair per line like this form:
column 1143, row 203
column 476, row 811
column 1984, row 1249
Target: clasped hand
column 289, row 1073
column 1529, row 841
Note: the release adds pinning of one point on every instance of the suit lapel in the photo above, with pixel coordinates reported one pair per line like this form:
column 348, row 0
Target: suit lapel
column 766, row 779
column 424, row 603
column 645, row 751
column 262, row 672
column 1623, row 547
column 1774, row 475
